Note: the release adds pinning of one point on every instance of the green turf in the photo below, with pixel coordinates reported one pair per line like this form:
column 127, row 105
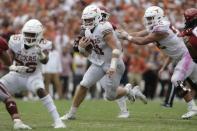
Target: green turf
column 100, row 115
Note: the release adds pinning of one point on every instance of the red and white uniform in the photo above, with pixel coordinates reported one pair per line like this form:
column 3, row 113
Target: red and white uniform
column 32, row 79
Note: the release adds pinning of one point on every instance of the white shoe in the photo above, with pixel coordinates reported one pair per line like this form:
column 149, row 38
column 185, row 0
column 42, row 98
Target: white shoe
column 130, row 95
column 68, row 116
column 138, row 94
column 124, row 114
column 59, row 124
column 191, row 112
column 18, row 124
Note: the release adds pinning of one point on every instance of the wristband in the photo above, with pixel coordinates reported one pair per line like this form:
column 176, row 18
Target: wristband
column 114, row 62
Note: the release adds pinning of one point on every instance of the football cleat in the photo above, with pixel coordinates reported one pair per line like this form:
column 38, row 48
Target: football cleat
column 130, row 95
column 68, row 116
column 138, row 94
column 191, row 112
column 124, row 114
column 18, row 125
column 59, row 124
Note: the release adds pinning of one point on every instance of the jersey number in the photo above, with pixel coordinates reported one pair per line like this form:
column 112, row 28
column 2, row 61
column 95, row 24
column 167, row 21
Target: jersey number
column 31, row 65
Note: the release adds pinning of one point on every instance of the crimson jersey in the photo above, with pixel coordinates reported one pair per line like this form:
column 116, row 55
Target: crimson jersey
column 3, row 45
column 192, row 36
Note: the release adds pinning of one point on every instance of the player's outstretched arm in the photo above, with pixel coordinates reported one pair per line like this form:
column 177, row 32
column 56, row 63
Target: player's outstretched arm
column 152, row 37
column 122, row 34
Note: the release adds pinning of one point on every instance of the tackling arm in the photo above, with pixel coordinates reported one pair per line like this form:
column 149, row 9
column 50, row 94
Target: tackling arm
column 122, row 34
column 152, row 37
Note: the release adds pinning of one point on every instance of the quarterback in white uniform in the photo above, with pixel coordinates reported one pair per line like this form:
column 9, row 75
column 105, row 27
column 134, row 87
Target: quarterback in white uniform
column 103, row 50
column 159, row 30
column 29, row 51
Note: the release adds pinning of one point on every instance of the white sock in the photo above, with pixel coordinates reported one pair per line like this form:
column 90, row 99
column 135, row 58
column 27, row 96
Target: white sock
column 49, row 104
column 191, row 104
column 122, row 104
column 73, row 110
column 16, row 120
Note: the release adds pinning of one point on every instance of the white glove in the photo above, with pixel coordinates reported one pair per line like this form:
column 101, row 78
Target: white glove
column 122, row 34
column 40, row 53
column 19, row 69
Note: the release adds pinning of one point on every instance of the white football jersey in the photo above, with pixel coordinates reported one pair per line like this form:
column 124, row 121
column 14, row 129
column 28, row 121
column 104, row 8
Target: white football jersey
column 101, row 52
column 27, row 57
column 172, row 45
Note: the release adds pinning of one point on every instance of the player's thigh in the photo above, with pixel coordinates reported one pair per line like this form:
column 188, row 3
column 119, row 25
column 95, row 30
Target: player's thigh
column 183, row 68
column 193, row 75
column 35, row 82
column 13, row 82
column 110, row 84
column 92, row 75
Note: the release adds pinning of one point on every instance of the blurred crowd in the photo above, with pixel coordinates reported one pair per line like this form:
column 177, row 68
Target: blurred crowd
column 61, row 19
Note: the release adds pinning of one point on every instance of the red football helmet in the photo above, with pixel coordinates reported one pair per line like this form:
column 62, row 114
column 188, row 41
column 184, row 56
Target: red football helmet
column 190, row 14
column 190, row 18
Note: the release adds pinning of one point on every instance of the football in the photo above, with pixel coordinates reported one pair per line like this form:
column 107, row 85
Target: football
column 88, row 48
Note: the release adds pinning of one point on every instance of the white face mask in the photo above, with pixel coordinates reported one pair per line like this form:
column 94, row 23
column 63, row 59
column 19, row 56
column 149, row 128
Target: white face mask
column 88, row 33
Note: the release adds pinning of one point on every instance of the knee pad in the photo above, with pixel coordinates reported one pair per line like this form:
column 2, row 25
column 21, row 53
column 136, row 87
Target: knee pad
column 181, row 90
column 41, row 92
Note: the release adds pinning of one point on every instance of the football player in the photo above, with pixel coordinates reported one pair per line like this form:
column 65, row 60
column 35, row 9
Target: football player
column 5, row 96
column 160, row 31
column 190, row 31
column 29, row 51
column 103, row 49
column 124, row 113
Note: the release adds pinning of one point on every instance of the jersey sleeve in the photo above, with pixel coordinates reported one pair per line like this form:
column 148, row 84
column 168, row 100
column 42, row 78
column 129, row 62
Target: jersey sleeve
column 106, row 28
column 194, row 31
column 161, row 27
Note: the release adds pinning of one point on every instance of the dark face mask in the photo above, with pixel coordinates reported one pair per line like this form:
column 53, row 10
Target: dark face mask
column 190, row 24
column 30, row 37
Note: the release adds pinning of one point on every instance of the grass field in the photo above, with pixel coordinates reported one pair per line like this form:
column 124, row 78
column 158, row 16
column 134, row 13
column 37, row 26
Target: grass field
column 100, row 115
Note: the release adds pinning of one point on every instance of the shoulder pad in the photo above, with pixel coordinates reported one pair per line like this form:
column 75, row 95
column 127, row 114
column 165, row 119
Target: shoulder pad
column 106, row 28
column 14, row 40
column 162, row 26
